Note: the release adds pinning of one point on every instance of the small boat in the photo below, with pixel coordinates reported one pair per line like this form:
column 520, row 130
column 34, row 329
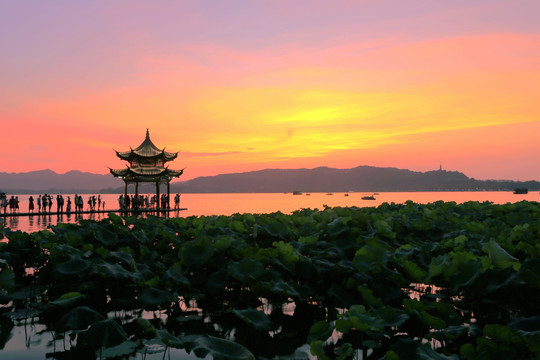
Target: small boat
column 368, row 197
column 297, row 193
column 308, row 194
column 521, row 191
column 346, row 195
column 329, row 194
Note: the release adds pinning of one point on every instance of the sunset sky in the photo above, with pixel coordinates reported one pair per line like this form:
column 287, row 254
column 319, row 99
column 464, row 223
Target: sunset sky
column 247, row 85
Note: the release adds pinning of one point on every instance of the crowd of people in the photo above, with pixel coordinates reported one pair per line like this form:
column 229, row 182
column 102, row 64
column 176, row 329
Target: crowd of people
column 132, row 202
column 44, row 203
column 12, row 203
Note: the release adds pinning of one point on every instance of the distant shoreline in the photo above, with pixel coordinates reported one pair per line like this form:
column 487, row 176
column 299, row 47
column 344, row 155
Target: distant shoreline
column 251, row 192
column 320, row 179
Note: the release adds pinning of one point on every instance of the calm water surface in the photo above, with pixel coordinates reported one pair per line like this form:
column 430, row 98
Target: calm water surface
column 228, row 204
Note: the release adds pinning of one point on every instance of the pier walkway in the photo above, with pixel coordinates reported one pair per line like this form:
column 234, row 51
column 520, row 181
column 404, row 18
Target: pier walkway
column 117, row 211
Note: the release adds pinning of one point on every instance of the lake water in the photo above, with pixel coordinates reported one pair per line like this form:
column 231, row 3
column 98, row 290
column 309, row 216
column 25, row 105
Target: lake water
column 227, row 204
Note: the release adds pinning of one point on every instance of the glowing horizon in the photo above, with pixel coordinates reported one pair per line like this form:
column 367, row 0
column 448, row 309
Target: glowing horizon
column 275, row 85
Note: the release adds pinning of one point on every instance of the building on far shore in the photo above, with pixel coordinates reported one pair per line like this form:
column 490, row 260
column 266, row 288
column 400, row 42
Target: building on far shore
column 147, row 165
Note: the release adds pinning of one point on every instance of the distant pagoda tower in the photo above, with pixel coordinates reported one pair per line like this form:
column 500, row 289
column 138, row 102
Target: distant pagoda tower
column 147, row 165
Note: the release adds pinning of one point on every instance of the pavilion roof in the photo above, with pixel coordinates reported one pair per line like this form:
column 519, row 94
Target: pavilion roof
column 147, row 149
column 146, row 173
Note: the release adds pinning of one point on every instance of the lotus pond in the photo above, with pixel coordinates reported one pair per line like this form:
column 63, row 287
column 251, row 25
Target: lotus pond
column 408, row 281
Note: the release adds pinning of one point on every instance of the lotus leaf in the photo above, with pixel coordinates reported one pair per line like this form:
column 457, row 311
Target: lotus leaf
column 274, row 230
column 105, row 235
column 468, row 352
column 123, row 257
column 216, row 281
column 383, row 228
column 196, row 252
column 287, row 253
column 121, row 350
column 500, row 258
column 170, row 340
column 416, row 273
column 104, row 333
column 321, row 330
column 6, row 327
column 279, row 287
column 530, row 272
column 426, row 352
column 177, row 277
column 246, row 270
column 79, row 318
column 317, row 349
column 7, row 279
column 68, row 299
column 73, row 267
column 219, row 349
column 359, row 319
column 501, row 333
column 115, row 219
column 153, row 297
column 258, row 319
column 107, row 270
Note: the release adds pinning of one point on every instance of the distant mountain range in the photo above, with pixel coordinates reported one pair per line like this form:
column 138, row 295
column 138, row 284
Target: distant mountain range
column 47, row 181
column 321, row 179
column 362, row 178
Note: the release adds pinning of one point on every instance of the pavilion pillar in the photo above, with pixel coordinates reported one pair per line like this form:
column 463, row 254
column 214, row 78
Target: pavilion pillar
column 158, row 201
column 168, row 193
column 135, row 203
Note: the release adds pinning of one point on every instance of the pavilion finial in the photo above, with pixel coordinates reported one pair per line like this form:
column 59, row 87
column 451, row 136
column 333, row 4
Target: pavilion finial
column 147, row 134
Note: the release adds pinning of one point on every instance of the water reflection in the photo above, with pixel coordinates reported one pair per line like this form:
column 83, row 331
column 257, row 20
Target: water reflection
column 13, row 222
column 34, row 338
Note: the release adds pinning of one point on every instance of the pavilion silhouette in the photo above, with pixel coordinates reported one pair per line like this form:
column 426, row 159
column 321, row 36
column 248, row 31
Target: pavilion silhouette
column 147, row 165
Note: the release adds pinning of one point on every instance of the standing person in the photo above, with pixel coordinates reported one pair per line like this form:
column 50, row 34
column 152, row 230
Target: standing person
column 16, row 204
column 61, row 201
column 80, row 203
column 12, row 204
column 99, row 202
column 68, row 205
column 50, row 201
column 164, row 201
column 3, row 201
column 57, row 204
column 31, row 204
column 103, row 204
column 76, row 202
column 45, row 202
column 177, row 201
column 38, row 201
